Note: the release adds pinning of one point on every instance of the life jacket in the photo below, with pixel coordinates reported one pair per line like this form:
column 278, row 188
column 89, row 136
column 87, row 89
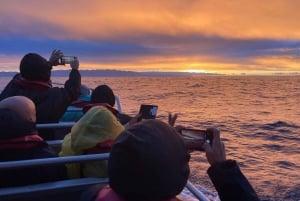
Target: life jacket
column 80, row 103
column 108, row 194
column 108, row 106
column 101, row 147
column 34, row 85
column 21, row 143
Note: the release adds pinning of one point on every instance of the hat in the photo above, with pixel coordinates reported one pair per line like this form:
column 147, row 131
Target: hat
column 103, row 94
column 14, row 125
column 35, row 68
column 148, row 161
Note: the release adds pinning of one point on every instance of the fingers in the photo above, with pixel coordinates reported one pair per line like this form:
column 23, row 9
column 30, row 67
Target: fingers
column 172, row 119
column 75, row 64
column 55, row 56
column 216, row 152
column 207, row 147
column 216, row 136
column 56, row 52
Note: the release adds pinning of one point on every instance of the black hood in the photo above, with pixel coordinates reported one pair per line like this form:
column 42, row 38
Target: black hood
column 103, row 94
column 148, row 161
column 34, row 67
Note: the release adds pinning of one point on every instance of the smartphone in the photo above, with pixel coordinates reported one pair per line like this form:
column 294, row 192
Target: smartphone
column 66, row 59
column 148, row 111
column 195, row 138
column 193, row 134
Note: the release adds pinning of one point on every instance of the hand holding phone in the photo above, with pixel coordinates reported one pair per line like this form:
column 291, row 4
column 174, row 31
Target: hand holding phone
column 215, row 153
column 148, row 111
column 194, row 139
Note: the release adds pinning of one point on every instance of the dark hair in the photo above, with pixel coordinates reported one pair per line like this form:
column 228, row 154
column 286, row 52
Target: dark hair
column 103, row 94
column 148, row 161
column 34, row 67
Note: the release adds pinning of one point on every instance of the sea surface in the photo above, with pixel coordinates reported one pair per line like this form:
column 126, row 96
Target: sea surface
column 258, row 116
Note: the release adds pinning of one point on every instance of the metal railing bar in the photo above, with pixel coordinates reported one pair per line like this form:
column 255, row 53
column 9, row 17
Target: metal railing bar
column 52, row 161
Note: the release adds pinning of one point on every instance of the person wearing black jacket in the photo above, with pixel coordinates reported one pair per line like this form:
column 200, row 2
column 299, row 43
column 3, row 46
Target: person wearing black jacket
column 19, row 140
column 150, row 161
column 34, row 82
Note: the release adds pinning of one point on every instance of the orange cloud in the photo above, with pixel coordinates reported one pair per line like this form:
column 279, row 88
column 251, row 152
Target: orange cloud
column 210, row 36
column 112, row 19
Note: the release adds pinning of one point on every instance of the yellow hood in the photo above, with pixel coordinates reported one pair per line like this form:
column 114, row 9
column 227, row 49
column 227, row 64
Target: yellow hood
column 96, row 126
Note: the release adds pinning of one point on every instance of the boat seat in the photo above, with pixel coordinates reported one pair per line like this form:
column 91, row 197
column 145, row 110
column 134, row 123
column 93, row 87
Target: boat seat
column 70, row 189
column 63, row 190
column 57, row 190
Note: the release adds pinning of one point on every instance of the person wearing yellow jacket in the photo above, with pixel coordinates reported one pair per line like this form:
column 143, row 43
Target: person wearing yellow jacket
column 93, row 133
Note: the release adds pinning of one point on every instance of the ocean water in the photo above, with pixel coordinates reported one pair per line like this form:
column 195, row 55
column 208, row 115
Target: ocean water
column 258, row 116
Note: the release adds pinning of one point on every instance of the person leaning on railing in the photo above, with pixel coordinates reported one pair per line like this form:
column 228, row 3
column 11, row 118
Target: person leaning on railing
column 34, row 82
column 19, row 140
column 149, row 161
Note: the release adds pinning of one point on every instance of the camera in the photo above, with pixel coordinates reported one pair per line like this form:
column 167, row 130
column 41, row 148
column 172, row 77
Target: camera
column 148, row 111
column 194, row 139
column 66, row 59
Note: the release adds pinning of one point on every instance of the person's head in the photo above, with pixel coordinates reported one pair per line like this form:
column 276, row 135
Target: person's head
column 148, row 161
column 84, row 90
column 17, row 116
column 35, row 68
column 103, row 94
column 22, row 105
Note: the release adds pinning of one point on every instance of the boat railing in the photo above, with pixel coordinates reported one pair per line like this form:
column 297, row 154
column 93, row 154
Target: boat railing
column 63, row 186
column 70, row 185
column 55, row 125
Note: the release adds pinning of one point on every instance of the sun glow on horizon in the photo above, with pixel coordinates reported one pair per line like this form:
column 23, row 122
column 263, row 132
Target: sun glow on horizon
column 194, row 71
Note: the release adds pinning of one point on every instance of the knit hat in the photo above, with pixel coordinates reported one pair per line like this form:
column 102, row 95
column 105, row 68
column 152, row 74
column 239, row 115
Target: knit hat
column 13, row 125
column 148, row 161
column 103, row 94
column 35, row 68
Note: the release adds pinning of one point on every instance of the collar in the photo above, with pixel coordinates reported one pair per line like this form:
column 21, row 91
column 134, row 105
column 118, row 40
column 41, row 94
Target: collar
column 34, row 85
column 21, row 143
column 108, row 106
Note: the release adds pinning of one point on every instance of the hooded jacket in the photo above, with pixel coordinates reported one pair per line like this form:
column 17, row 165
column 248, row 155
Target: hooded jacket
column 148, row 161
column 93, row 133
column 34, row 82
column 20, row 141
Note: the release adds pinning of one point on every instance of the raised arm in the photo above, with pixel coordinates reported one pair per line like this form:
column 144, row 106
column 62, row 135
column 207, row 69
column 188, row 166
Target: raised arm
column 72, row 85
column 226, row 175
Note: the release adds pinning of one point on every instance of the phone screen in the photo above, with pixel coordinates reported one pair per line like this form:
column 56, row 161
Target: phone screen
column 193, row 134
column 148, row 111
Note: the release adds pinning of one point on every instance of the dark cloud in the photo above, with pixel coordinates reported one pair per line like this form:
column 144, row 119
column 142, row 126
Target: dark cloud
column 223, row 48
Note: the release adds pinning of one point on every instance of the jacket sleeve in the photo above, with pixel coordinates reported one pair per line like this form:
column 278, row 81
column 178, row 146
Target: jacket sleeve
column 72, row 85
column 230, row 182
column 8, row 89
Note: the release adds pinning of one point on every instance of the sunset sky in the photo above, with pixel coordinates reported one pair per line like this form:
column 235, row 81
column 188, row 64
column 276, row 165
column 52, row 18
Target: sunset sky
column 212, row 36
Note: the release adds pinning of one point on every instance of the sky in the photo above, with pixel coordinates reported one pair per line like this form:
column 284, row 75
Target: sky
column 208, row 36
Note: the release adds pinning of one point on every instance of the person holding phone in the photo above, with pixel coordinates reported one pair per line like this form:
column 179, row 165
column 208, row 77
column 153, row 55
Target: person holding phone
column 225, row 174
column 34, row 82
column 149, row 161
